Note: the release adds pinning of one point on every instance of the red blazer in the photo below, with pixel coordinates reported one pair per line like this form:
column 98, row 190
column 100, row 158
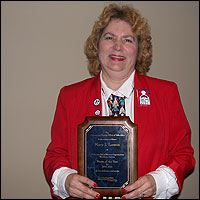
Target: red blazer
column 164, row 134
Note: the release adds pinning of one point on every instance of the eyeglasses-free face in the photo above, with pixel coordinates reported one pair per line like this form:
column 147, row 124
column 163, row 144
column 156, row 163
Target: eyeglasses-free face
column 118, row 47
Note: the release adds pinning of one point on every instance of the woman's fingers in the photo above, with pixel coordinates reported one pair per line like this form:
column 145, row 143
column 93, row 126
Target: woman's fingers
column 81, row 187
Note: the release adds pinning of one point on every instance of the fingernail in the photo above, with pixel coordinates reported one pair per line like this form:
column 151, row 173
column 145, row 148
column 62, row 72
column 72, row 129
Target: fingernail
column 124, row 190
column 123, row 197
column 98, row 196
column 95, row 185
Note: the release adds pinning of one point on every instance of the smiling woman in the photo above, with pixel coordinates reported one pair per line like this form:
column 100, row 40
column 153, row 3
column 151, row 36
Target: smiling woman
column 43, row 50
column 119, row 51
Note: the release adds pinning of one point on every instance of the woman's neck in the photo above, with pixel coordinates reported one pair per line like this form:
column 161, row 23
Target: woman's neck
column 114, row 81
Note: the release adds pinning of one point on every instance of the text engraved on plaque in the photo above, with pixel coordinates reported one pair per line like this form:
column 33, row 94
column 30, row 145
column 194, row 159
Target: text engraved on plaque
column 107, row 163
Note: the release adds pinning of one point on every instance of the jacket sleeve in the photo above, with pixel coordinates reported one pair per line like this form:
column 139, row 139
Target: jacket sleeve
column 181, row 159
column 57, row 155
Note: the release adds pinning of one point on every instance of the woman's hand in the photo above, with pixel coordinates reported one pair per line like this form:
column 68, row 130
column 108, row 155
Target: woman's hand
column 81, row 187
column 145, row 186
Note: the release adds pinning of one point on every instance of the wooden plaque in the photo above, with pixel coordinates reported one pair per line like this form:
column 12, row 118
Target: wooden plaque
column 107, row 153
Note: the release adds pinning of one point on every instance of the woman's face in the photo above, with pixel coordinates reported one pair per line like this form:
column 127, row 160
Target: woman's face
column 118, row 48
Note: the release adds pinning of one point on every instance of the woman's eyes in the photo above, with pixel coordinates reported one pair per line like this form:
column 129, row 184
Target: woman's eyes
column 108, row 37
column 125, row 39
column 128, row 40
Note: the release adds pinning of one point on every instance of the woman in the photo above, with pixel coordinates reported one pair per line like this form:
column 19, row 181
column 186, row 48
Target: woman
column 119, row 51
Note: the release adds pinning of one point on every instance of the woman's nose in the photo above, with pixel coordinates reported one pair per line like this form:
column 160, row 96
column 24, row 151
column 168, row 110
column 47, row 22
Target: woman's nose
column 118, row 45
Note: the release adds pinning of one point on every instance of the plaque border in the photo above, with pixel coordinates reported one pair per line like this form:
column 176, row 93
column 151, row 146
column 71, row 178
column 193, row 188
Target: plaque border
column 132, row 147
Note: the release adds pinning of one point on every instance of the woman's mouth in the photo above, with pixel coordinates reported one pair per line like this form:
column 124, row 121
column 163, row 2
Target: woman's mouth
column 117, row 57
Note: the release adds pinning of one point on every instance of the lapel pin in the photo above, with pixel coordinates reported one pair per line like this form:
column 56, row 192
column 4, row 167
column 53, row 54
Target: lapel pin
column 97, row 112
column 144, row 97
column 97, row 102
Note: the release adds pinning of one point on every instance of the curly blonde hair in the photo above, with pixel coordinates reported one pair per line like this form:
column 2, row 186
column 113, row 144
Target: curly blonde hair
column 139, row 26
